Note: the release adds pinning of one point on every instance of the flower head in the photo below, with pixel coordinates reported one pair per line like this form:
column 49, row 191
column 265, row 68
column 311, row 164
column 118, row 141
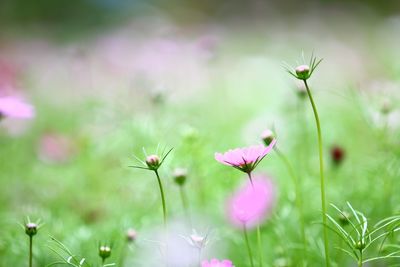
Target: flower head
column 217, row 263
column 180, row 175
column 56, row 148
column 104, row 252
column 131, row 235
column 152, row 162
column 250, row 204
column 197, row 240
column 245, row 159
column 304, row 71
column 31, row 229
column 267, row 137
column 14, row 107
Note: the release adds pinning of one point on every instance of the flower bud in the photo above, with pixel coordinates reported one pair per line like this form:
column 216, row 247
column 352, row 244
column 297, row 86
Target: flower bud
column 198, row 241
column 344, row 218
column 131, row 235
column 386, row 106
column 303, row 72
column 104, row 252
column 282, row 262
column 153, row 162
column 31, row 229
column 180, row 175
column 267, row 136
column 337, row 154
column 360, row 245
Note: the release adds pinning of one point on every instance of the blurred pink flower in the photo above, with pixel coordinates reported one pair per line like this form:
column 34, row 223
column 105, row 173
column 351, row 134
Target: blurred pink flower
column 8, row 78
column 55, row 148
column 15, row 107
column 250, row 204
column 245, row 159
column 217, row 263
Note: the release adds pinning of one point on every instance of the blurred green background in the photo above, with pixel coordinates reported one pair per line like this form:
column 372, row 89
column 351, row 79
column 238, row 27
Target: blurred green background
column 108, row 78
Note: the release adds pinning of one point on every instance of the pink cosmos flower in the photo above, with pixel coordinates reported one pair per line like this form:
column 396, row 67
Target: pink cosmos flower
column 14, row 107
column 245, row 159
column 250, row 204
column 55, row 148
column 217, row 263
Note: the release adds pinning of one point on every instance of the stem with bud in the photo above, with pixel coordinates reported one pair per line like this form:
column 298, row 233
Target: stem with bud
column 321, row 171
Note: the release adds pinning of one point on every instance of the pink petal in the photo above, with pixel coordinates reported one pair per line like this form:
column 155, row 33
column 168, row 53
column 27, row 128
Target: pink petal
column 16, row 108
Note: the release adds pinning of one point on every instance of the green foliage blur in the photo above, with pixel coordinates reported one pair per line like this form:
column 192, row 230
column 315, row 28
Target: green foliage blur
column 93, row 196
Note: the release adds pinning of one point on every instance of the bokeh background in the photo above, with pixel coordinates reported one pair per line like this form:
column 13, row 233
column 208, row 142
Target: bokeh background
column 107, row 78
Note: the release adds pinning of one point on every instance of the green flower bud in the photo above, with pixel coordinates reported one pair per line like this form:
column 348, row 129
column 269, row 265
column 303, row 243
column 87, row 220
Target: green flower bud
column 267, row 136
column 31, row 229
column 360, row 245
column 104, row 252
column 180, row 176
column 131, row 235
column 153, row 162
column 344, row 218
column 303, row 72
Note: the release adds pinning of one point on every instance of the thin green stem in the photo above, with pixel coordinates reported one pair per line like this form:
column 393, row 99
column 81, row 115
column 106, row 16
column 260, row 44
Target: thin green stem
column 30, row 250
column 321, row 172
column 299, row 199
column 199, row 257
column 185, row 204
column 246, row 238
column 164, row 206
column 360, row 259
column 259, row 243
column 123, row 254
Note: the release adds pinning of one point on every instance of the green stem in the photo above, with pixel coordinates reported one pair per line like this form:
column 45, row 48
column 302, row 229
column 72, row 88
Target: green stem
column 299, row 200
column 122, row 255
column 199, row 257
column 360, row 259
column 321, row 172
column 185, row 204
column 259, row 241
column 246, row 238
column 260, row 255
column 30, row 250
column 162, row 198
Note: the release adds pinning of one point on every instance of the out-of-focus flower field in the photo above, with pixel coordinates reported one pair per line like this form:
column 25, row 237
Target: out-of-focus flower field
column 76, row 113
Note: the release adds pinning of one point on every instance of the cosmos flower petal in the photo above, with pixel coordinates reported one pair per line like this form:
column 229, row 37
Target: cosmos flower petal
column 217, row 263
column 15, row 107
column 251, row 203
column 245, row 158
